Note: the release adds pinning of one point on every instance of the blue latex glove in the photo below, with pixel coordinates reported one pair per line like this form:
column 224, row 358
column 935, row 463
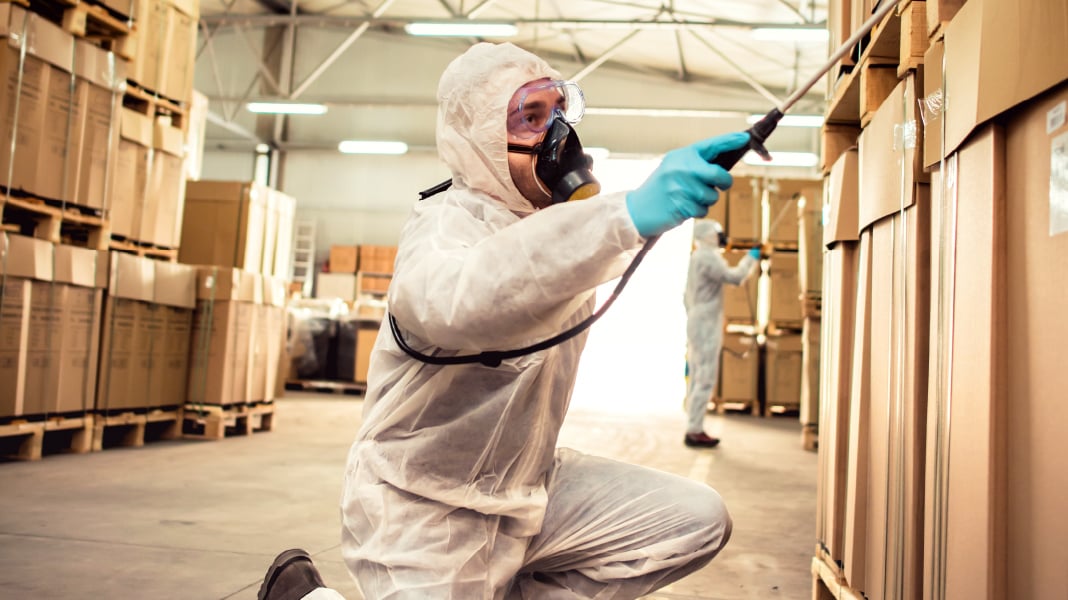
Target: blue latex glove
column 755, row 252
column 683, row 186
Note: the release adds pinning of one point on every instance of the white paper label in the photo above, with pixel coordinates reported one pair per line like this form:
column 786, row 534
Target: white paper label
column 1055, row 117
column 1058, row 185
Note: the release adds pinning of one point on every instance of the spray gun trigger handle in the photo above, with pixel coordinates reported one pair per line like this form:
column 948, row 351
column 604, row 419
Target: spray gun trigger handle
column 758, row 147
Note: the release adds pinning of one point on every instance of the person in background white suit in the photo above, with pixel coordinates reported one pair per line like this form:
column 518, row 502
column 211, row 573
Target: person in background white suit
column 455, row 487
column 707, row 275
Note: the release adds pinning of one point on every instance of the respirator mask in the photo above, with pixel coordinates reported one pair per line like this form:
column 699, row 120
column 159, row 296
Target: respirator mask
column 561, row 167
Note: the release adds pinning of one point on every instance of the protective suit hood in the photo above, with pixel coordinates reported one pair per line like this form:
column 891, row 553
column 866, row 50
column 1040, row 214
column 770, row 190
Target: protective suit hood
column 706, row 232
column 472, row 136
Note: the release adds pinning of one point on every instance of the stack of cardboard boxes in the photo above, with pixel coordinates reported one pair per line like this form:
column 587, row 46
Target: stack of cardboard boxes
column 356, row 271
column 240, row 236
column 755, row 211
column 949, row 485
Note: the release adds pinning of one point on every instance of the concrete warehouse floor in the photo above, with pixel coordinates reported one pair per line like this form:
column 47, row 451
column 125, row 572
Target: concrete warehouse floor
column 191, row 519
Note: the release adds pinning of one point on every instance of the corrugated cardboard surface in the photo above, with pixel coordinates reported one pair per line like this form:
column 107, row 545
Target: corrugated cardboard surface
column 744, row 208
column 782, row 370
column 175, row 284
column 223, row 224
column 841, row 209
column 1036, row 325
column 891, row 155
column 1000, row 53
column 739, row 368
column 784, row 288
column 783, row 195
column 839, row 304
column 343, row 259
column 810, row 372
column 131, row 277
column 740, row 301
column 810, row 246
column 933, row 103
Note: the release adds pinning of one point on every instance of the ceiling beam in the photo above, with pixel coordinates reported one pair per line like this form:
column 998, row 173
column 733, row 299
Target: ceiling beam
column 346, row 22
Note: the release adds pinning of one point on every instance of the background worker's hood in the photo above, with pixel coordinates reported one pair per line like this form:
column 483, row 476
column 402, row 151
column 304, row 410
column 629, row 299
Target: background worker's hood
column 472, row 136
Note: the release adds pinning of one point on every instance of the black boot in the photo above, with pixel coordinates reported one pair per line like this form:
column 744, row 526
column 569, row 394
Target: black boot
column 291, row 576
column 701, row 440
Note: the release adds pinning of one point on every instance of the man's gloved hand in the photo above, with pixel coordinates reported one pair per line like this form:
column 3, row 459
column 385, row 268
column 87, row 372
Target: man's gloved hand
column 683, row 185
column 755, row 252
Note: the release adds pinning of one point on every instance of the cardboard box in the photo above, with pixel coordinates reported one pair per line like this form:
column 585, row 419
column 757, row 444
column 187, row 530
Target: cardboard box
column 744, row 209
column 161, row 213
column 376, row 259
column 810, row 372
column 343, row 259
column 842, row 200
column 933, row 103
column 783, row 195
column 999, row 54
column 810, row 246
column 739, row 368
column 1035, row 326
column 940, row 12
column 219, row 370
column 740, row 302
column 165, row 42
column 782, row 372
column 100, row 96
column 25, row 270
column 784, row 292
column 270, row 232
column 854, row 535
column 131, row 174
column 124, row 365
column 836, row 138
column 336, row 285
column 891, row 155
column 81, row 276
column 365, row 342
column 224, row 224
column 28, row 124
column 836, row 366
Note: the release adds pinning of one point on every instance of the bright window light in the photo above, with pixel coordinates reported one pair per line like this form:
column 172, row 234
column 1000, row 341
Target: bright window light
column 462, row 29
column 790, row 34
column 372, row 147
column 793, row 120
column 286, row 108
column 783, row 159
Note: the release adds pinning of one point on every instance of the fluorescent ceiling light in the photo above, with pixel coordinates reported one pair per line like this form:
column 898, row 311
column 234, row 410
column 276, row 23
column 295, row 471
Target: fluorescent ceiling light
column 372, row 147
column 790, row 34
column 792, row 120
column 783, row 159
column 663, row 112
column 286, row 108
column 462, row 29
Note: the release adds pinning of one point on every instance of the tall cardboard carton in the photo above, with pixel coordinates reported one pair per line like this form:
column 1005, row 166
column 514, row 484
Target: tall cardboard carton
column 161, row 212
column 25, row 125
column 739, row 368
column 782, row 370
column 175, row 295
column 740, row 301
column 783, row 195
column 810, row 372
column 224, row 224
column 122, row 382
column 131, row 174
column 81, row 276
column 784, row 291
column 744, row 208
column 99, row 93
column 219, row 367
column 25, row 269
column 810, row 242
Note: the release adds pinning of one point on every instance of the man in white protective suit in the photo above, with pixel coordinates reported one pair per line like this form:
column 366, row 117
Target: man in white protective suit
column 703, row 298
column 454, row 486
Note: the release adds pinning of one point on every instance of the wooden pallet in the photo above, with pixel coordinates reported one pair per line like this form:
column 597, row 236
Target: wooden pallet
column 914, row 41
column 327, row 386
column 214, row 422
column 737, row 406
column 741, row 244
column 152, row 105
column 785, row 327
column 778, row 410
column 828, row 582
column 131, row 429
column 91, row 21
column 850, row 100
column 142, row 249
column 53, row 220
column 22, row 439
column 810, row 437
column 812, row 307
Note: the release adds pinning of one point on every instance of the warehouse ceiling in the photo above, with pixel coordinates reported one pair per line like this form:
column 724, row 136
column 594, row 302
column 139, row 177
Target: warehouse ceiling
column 687, row 59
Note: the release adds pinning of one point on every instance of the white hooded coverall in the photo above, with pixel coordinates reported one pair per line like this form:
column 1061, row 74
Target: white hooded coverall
column 703, row 299
column 454, row 487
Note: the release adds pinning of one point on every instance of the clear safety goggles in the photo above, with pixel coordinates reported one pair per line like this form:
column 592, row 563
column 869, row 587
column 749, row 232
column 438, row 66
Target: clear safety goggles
column 541, row 103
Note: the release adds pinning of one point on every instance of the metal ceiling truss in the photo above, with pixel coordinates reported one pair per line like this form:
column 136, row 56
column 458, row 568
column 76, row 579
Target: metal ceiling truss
column 287, row 15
